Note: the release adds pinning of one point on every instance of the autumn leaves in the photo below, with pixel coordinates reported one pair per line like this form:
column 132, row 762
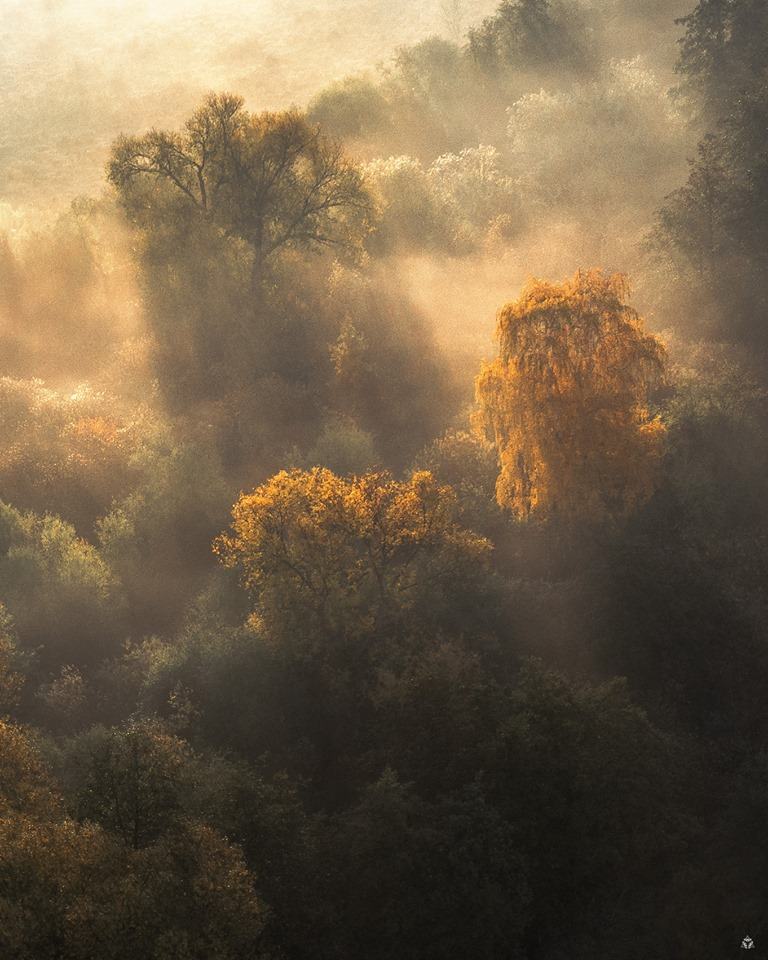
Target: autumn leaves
column 566, row 401
column 566, row 405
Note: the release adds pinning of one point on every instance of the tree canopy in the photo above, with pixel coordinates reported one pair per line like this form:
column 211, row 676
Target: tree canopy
column 270, row 179
column 566, row 400
column 337, row 558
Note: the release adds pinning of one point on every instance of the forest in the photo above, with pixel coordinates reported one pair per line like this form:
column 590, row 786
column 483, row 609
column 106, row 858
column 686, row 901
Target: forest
column 384, row 480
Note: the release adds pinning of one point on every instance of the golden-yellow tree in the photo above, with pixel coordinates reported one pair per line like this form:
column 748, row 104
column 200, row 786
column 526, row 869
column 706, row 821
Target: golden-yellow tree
column 329, row 557
column 566, row 400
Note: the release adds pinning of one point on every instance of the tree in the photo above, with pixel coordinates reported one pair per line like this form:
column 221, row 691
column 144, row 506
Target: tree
column 327, row 557
column 468, row 463
column 474, row 186
column 695, row 218
column 352, row 107
column 129, row 779
column 269, row 179
column 24, row 781
column 438, row 715
column 679, row 592
column 51, row 870
column 531, row 34
column 412, row 213
column 453, row 15
column 57, row 889
column 424, row 881
column 712, row 231
column 590, row 785
column 157, row 539
column 724, row 53
column 11, row 680
column 77, row 614
column 63, row 453
column 67, row 890
column 430, row 73
column 626, row 156
column 342, row 447
column 189, row 895
column 72, row 890
column 566, row 400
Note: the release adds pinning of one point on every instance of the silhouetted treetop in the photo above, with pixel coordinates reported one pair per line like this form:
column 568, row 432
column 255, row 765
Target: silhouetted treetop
column 270, row 179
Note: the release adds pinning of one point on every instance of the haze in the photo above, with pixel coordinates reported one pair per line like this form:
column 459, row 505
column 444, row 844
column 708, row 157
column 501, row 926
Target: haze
column 383, row 501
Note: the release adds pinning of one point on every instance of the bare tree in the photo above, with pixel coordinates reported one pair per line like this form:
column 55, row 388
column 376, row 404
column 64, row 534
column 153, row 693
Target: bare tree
column 453, row 18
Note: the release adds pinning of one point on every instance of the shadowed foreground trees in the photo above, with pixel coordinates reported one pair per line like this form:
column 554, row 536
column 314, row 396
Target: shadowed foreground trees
column 73, row 890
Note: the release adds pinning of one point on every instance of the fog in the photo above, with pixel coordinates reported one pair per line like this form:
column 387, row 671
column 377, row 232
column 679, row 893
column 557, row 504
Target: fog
column 75, row 74
column 383, row 457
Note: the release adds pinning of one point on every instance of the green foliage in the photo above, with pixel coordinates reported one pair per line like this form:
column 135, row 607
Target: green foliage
column 343, row 448
column 208, row 904
column 590, row 784
column 526, row 34
column 350, row 108
column 71, row 890
column 473, row 183
column 723, row 53
column 157, row 539
column 448, row 206
column 469, row 464
column 622, row 157
column 431, row 71
column 684, row 598
column 25, row 785
column 268, row 179
column 415, row 106
column 12, row 664
column 423, row 880
column 129, row 779
column 437, row 714
column 711, row 233
column 411, row 214
column 78, row 609
column 65, row 700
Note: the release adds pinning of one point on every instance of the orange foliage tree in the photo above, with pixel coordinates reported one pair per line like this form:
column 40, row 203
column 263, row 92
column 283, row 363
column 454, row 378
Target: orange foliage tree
column 64, row 454
column 326, row 556
column 565, row 401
